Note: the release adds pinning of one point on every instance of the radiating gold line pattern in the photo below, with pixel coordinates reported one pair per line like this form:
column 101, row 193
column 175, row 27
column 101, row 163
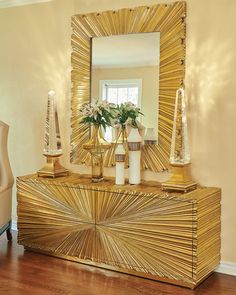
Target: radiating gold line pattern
column 138, row 229
column 169, row 20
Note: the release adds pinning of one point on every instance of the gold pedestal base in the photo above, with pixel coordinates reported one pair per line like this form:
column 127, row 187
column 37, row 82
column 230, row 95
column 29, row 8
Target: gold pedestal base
column 180, row 180
column 53, row 168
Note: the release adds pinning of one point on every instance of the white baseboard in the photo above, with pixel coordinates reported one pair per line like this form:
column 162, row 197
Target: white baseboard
column 225, row 267
column 14, row 225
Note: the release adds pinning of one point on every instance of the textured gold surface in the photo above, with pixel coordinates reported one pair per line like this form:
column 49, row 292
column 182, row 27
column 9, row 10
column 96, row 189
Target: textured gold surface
column 169, row 20
column 181, row 179
column 53, row 168
column 137, row 229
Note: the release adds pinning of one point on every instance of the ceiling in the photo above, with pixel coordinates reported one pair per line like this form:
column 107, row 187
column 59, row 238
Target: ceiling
column 133, row 50
column 11, row 3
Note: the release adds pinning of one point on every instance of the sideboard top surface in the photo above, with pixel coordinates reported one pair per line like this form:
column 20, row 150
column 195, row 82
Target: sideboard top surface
column 148, row 187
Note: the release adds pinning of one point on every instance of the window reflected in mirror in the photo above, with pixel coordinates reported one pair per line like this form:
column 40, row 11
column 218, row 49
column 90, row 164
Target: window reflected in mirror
column 126, row 68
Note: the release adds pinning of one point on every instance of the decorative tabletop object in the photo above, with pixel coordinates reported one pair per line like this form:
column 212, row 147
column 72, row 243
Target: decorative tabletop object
column 181, row 179
column 120, row 164
column 134, row 145
column 126, row 117
column 98, row 115
column 52, row 142
column 150, row 136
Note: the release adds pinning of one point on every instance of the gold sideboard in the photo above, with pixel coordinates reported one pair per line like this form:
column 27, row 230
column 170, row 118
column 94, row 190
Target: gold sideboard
column 138, row 229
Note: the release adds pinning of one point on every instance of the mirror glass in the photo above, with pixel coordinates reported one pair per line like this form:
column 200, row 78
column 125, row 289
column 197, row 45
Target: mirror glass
column 126, row 68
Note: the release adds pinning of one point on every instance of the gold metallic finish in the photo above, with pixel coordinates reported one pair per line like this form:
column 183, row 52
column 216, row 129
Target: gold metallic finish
column 96, row 142
column 181, row 179
column 169, row 20
column 53, row 168
column 135, row 229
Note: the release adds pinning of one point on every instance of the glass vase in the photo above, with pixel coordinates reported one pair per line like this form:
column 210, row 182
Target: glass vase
column 96, row 146
column 122, row 135
column 97, row 166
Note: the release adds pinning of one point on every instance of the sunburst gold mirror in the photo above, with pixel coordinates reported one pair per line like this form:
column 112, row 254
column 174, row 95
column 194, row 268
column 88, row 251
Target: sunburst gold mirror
column 131, row 25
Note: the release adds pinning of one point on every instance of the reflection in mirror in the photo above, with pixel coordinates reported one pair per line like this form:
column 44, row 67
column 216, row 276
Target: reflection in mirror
column 126, row 68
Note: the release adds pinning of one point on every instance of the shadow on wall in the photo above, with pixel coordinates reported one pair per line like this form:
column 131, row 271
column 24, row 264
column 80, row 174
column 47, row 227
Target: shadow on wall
column 44, row 45
column 212, row 106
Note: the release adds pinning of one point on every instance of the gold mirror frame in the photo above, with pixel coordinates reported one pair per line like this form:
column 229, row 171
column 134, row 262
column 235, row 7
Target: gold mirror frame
column 169, row 20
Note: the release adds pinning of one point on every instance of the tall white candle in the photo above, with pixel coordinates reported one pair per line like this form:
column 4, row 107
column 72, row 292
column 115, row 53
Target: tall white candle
column 120, row 164
column 134, row 144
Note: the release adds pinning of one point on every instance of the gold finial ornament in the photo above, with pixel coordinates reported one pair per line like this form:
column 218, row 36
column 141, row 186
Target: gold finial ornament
column 181, row 179
column 52, row 142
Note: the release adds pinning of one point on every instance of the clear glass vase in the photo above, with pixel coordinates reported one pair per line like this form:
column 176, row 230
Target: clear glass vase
column 97, row 146
column 97, row 166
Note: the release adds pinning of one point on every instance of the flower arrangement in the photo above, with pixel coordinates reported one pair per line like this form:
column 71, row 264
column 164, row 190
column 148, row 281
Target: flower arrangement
column 102, row 113
column 99, row 113
column 126, row 114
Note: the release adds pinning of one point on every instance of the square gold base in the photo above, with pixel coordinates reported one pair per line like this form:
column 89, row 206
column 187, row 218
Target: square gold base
column 180, row 180
column 53, row 168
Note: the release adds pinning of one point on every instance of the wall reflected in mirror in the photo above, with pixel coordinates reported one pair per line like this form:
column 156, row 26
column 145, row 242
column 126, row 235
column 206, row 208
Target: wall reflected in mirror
column 126, row 68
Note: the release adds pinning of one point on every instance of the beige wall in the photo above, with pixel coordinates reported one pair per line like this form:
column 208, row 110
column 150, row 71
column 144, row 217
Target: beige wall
column 35, row 56
column 149, row 97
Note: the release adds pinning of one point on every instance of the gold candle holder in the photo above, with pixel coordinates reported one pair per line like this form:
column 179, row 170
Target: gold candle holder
column 181, row 179
column 53, row 168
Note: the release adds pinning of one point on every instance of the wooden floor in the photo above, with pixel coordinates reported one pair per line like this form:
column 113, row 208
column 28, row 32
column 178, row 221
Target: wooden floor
column 27, row 273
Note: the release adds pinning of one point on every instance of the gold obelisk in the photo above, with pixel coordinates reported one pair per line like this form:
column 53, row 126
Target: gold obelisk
column 181, row 179
column 52, row 142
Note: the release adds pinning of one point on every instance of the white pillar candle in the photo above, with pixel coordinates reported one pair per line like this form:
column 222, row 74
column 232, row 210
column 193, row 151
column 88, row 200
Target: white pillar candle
column 120, row 164
column 134, row 144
